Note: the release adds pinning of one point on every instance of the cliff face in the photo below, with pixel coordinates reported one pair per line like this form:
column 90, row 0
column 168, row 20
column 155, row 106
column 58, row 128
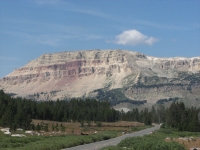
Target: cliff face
column 77, row 74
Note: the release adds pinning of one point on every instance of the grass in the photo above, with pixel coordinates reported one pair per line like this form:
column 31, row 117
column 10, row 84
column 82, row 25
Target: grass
column 144, row 143
column 50, row 142
column 173, row 133
column 140, row 128
column 155, row 141
column 66, row 139
column 53, row 140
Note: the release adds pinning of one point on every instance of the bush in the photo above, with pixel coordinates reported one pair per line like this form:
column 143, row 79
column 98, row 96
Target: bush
column 147, row 142
column 50, row 143
column 165, row 131
column 154, row 141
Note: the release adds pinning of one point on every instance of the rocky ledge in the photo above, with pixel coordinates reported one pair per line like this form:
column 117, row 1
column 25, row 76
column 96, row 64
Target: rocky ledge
column 81, row 73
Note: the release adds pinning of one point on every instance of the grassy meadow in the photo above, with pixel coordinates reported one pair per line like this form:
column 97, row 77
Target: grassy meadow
column 50, row 142
column 56, row 140
column 163, row 139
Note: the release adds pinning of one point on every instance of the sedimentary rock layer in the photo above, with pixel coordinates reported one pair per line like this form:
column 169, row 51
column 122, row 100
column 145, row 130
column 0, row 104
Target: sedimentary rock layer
column 78, row 74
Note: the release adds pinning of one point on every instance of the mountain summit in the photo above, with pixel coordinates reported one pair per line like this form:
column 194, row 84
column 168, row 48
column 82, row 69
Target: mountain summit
column 103, row 73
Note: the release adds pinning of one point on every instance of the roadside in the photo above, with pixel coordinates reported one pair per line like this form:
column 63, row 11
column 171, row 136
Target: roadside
column 114, row 141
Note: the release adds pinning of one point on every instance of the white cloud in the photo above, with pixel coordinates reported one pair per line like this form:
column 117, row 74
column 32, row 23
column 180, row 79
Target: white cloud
column 134, row 37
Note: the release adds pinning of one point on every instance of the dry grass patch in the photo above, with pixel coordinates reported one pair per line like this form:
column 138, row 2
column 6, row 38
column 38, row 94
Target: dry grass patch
column 76, row 129
column 189, row 143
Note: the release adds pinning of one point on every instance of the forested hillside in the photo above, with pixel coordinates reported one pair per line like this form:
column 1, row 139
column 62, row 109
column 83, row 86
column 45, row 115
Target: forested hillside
column 19, row 112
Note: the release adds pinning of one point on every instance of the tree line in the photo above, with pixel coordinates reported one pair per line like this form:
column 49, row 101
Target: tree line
column 19, row 112
column 182, row 118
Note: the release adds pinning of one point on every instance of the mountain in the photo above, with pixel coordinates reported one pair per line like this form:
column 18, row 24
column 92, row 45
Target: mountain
column 115, row 75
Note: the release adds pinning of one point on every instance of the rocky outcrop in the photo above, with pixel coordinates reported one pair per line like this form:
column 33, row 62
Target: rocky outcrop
column 80, row 73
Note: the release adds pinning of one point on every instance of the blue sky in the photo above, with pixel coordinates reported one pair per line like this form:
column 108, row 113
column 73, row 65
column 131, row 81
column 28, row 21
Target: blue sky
column 161, row 28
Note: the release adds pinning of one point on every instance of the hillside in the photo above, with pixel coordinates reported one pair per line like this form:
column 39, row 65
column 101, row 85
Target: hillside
column 115, row 75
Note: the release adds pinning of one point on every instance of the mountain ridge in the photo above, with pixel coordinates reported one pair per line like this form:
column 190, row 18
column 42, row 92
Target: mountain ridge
column 81, row 73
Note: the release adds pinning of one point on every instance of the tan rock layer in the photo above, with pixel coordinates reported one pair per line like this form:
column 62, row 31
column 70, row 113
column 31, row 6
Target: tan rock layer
column 76, row 74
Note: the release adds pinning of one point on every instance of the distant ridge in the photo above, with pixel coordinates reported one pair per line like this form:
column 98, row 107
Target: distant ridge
column 99, row 73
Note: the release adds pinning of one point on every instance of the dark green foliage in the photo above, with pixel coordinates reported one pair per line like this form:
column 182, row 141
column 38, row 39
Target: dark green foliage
column 144, row 116
column 32, row 127
column 139, row 143
column 161, row 114
column 192, row 77
column 167, row 132
column 155, row 141
column 14, row 142
column 18, row 112
column 14, row 113
column 184, row 80
column 38, row 127
column 116, row 96
column 162, row 101
column 144, row 143
column 153, row 82
column 181, row 118
column 176, row 116
column 50, row 143
column 98, row 123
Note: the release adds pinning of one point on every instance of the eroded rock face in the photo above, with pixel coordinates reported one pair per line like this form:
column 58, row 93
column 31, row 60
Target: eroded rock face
column 77, row 74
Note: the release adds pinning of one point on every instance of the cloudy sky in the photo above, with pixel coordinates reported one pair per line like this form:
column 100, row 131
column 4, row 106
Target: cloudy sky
column 161, row 28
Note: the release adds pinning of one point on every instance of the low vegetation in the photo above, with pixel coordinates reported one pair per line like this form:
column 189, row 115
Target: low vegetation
column 158, row 141
column 22, row 113
column 116, row 96
column 50, row 142
column 162, row 101
column 73, row 135
column 18, row 113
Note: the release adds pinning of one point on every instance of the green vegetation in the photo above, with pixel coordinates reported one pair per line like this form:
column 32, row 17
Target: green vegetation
column 134, row 129
column 182, row 118
column 192, row 77
column 18, row 113
column 174, row 133
column 162, row 101
column 116, row 96
column 50, row 143
column 183, row 79
column 155, row 141
column 142, row 143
